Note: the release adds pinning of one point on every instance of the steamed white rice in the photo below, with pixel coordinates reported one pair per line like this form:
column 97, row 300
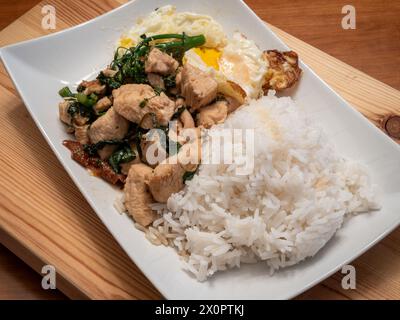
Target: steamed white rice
column 284, row 211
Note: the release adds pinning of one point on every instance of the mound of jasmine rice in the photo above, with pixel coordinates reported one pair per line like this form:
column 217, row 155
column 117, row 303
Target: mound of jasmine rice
column 282, row 211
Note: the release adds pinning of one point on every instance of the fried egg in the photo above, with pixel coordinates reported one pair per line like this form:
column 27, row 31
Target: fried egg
column 243, row 63
column 240, row 61
column 166, row 20
column 206, row 59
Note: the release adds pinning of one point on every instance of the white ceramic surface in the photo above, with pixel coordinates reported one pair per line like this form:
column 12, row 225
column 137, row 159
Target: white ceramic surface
column 39, row 68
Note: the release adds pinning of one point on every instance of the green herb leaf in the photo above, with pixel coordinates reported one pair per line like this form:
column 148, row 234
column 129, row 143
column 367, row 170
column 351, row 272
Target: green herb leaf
column 188, row 176
column 178, row 113
column 111, row 83
column 143, row 103
column 158, row 90
column 92, row 149
column 170, row 81
column 123, row 155
column 73, row 109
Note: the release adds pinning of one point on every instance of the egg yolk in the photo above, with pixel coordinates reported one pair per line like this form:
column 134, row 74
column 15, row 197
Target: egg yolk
column 210, row 56
column 125, row 42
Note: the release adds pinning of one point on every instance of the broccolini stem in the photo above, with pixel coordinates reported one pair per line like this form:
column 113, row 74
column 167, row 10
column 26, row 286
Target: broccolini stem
column 187, row 42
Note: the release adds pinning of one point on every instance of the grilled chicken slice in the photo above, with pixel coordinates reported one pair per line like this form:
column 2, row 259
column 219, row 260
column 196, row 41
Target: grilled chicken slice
column 137, row 196
column 212, row 114
column 284, row 70
column 197, row 87
column 160, row 62
column 134, row 101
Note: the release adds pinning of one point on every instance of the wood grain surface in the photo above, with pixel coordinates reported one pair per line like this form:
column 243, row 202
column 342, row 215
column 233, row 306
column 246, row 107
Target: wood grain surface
column 12, row 10
column 44, row 219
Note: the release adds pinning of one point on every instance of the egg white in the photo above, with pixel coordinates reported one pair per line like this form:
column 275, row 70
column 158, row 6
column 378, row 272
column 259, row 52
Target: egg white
column 166, row 20
column 243, row 62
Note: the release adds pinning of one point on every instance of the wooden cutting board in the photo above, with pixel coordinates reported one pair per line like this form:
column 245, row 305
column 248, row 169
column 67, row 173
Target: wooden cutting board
column 45, row 220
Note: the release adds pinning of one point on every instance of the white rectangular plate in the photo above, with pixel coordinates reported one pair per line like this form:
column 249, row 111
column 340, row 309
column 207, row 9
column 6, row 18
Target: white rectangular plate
column 39, row 68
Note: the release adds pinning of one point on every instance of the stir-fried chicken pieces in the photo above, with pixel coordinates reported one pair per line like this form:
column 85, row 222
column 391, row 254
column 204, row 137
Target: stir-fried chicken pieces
column 233, row 94
column 63, row 112
column 177, row 127
column 102, row 105
column 163, row 108
column 213, row 114
column 148, row 121
column 197, row 87
column 125, row 167
column 166, row 180
column 78, row 124
column 284, row 70
column 134, row 101
column 153, row 149
column 110, row 126
column 160, row 62
column 189, row 155
column 93, row 86
column 156, row 81
column 168, row 176
column 79, row 120
column 106, row 152
column 137, row 196
column 186, row 119
column 82, row 133
column 109, row 73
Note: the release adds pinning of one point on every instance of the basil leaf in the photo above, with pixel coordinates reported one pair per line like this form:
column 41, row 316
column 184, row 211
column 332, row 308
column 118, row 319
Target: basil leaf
column 188, row 176
column 122, row 155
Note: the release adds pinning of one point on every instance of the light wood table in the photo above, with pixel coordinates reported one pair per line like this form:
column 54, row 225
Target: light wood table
column 93, row 265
